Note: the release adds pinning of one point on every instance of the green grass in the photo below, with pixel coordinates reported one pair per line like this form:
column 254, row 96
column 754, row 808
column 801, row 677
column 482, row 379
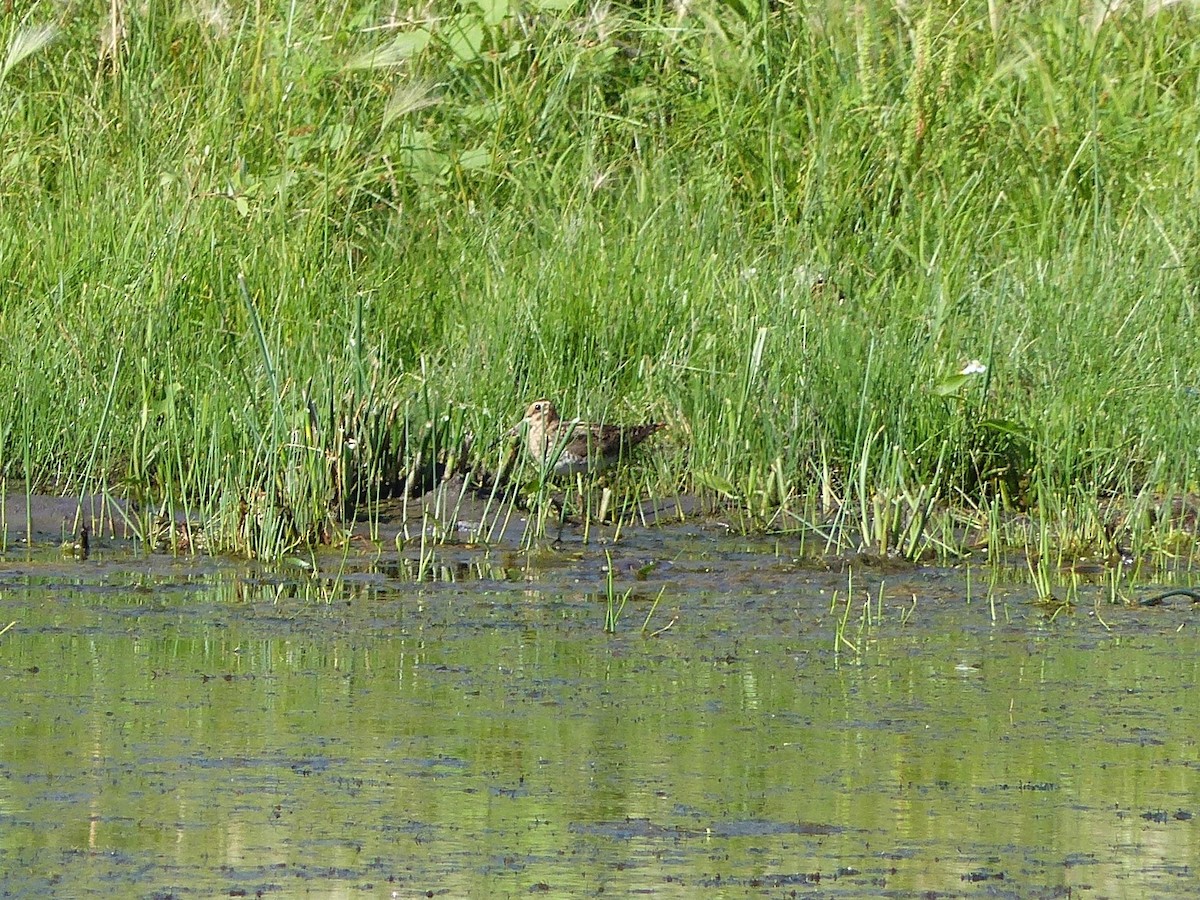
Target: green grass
column 271, row 262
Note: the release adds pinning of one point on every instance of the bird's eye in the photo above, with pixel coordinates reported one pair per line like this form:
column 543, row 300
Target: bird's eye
column 537, row 407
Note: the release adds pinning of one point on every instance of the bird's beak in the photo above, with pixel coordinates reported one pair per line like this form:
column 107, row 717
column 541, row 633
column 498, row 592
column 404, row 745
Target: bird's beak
column 512, row 431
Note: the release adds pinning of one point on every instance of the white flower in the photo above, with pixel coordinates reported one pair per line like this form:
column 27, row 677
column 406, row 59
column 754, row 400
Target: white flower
column 974, row 367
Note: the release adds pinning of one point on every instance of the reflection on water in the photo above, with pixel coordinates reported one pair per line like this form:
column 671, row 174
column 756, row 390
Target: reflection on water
column 202, row 730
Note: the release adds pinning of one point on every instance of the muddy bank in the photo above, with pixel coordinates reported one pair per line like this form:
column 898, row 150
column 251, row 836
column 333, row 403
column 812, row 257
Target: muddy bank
column 452, row 512
column 440, row 534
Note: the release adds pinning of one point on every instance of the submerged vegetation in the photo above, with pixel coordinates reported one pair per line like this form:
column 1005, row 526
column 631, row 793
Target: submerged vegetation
column 921, row 275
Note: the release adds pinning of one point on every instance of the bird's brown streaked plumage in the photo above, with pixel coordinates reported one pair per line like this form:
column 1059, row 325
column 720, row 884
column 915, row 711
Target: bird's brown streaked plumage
column 570, row 447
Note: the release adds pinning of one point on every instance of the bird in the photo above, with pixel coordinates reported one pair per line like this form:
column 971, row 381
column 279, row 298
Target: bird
column 565, row 448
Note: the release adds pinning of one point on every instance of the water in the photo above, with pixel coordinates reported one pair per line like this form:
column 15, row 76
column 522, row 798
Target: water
column 176, row 729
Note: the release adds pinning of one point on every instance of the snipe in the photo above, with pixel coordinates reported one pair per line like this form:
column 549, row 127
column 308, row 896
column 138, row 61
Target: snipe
column 569, row 447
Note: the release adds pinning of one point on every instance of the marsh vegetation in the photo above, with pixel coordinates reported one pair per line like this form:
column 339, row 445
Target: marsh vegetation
column 920, row 277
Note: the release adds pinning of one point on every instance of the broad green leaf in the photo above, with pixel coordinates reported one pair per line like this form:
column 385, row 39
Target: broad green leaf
column 465, row 38
column 474, row 159
column 494, row 11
